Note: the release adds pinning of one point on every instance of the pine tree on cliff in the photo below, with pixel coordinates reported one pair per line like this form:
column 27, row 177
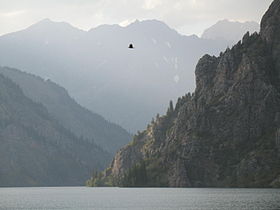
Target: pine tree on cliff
column 170, row 108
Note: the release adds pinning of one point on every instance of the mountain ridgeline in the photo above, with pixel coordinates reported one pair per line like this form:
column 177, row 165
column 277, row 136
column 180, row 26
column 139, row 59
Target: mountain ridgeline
column 102, row 74
column 77, row 119
column 225, row 134
column 36, row 150
column 230, row 30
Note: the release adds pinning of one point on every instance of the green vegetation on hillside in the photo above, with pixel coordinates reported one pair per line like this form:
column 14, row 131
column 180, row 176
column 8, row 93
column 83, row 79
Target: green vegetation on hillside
column 36, row 150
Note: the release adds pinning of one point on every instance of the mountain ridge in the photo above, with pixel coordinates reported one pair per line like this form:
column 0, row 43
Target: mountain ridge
column 82, row 122
column 96, row 67
column 35, row 149
column 232, row 31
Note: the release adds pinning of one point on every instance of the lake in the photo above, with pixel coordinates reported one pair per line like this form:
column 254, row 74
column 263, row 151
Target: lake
column 80, row 198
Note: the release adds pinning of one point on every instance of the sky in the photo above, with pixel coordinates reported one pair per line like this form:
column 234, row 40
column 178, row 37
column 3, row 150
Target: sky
column 186, row 16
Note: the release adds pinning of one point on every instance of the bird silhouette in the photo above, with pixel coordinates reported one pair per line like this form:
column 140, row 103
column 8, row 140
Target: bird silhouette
column 130, row 46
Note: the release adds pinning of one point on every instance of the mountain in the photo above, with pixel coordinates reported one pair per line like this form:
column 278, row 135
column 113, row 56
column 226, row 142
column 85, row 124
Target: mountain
column 125, row 86
column 232, row 31
column 80, row 121
column 35, row 149
column 225, row 134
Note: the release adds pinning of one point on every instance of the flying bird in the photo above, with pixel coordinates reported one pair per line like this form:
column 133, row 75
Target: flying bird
column 130, row 46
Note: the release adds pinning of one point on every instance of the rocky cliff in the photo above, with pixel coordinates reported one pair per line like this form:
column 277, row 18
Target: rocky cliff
column 225, row 134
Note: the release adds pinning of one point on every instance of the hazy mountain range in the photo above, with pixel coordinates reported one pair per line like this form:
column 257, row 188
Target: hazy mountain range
column 125, row 86
column 74, row 117
column 232, row 31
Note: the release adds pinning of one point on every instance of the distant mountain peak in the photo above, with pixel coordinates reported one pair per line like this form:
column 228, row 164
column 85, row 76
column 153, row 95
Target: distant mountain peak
column 136, row 21
column 151, row 26
column 48, row 24
column 227, row 21
column 230, row 30
column 48, row 21
column 45, row 20
column 149, row 21
column 105, row 27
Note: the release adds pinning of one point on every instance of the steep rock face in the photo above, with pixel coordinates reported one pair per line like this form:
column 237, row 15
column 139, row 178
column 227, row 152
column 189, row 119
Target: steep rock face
column 271, row 32
column 226, row 133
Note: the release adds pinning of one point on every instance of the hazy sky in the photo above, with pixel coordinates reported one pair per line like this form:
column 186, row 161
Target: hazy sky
column 187, row 16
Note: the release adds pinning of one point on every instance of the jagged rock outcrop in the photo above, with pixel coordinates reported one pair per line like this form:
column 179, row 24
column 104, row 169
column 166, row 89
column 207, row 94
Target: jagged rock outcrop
column 226, row 134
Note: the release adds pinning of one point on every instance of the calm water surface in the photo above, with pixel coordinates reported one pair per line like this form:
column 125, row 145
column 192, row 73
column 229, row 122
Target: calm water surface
column 80, row 198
